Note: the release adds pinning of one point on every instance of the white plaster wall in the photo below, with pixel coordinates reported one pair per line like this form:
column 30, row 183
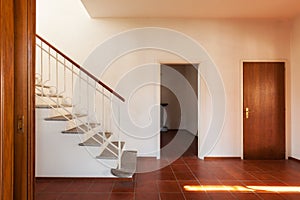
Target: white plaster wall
column 66, row 24
column 295, row 83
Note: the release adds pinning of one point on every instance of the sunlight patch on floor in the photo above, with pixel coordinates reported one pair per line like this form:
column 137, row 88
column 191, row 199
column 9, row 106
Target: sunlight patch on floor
column 238, row 188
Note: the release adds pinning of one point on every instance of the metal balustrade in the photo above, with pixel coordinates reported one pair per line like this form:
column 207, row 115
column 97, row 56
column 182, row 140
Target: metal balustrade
column 72, row 92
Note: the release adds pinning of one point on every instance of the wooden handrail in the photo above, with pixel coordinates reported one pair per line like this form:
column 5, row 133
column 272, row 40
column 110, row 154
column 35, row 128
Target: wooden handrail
column 82, row 69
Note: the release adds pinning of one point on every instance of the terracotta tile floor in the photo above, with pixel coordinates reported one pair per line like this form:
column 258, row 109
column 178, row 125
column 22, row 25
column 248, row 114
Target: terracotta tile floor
column 210, row 179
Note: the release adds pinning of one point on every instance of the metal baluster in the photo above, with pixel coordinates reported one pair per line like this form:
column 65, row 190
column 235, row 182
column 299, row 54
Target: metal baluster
column 87, row 99
column 49, row 63
column 119, row 140
column 103, row 113
column 42, row 66
column 65, row 78
column 56, row 85
column 79, row 100
column 72, row 85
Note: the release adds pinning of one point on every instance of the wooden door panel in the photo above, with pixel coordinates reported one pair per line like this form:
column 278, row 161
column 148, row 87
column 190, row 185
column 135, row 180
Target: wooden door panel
column 6, row 99
column 264, row 95
column 17, row 33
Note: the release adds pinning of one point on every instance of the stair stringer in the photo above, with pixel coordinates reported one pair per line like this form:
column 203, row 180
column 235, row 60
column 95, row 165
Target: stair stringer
column 58, row 155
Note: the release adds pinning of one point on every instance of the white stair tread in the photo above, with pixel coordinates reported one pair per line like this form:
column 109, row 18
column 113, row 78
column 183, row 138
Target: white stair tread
column 82, row 128
column 44, row 86
column 96, row 140
column 63, row 118
column 48, row 106
column 128, row 165
column 49, row 95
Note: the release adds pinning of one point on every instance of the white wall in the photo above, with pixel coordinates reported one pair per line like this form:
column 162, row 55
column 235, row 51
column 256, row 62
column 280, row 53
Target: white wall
column 295, row 83
column 66, row 24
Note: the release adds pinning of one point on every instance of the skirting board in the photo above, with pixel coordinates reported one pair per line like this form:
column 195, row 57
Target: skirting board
column 222, row 158
column 295, row 159
column 82, row 178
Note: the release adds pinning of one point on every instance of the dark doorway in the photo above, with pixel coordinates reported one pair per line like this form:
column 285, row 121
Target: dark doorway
column 178, row 118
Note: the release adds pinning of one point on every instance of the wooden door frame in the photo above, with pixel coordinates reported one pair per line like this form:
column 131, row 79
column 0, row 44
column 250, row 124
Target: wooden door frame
column 9, row 57
column 287, row 139
column 6, row 99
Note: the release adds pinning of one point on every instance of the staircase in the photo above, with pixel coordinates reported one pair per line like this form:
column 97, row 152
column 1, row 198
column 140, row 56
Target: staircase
column 88, row 109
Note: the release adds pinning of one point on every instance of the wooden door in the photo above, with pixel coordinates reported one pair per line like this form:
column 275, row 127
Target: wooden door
column 17, row 34
column 264, row 110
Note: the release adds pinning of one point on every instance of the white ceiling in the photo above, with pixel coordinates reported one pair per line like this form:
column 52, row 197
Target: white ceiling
column 193, row 8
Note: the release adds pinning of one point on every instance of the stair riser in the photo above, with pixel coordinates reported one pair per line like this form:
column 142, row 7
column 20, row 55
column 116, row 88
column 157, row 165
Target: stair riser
column 47, row 101
column 45, row 91
column 60, row 111
column 76, row 122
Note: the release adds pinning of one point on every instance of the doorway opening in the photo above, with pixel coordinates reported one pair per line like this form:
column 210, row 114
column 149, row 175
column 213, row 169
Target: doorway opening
column 179, row 107
column 264, row 110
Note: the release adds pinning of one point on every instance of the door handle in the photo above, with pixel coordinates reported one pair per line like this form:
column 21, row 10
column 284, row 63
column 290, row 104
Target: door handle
column 247, row 112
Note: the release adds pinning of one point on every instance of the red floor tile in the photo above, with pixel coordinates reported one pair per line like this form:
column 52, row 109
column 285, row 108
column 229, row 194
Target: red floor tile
column 84, row 196
column 184, row 176
column 58, row 185
column 263, row 176
column 146, row 187
column 171, row 196
column 123, row 196
column 268, row 196
column 180, row 168
column 150, row 176
column 274, row 183
column 230, row 182
column 80, row 186
column 292, row 183
column 101, row 187
column 246, row 196
column 244, row 176
column 165, row 169
column 179, row 161
column 147, row 196
column 210, row 182
column 196, row 196
column 168, row 186
column 166, row 176
column 124, row 186
column 224, row 176
column 205, row 175
column 46, row 196
column 221, row 195
column 41, row 185
column 290, row 196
